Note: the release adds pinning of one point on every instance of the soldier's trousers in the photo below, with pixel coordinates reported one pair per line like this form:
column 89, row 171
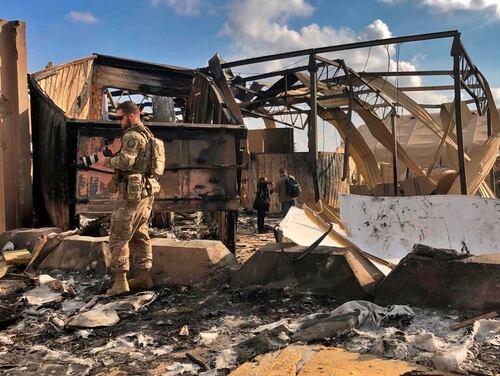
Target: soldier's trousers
column 129, row 235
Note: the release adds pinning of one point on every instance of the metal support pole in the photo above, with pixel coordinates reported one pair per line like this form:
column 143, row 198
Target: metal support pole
column 313, row 123
column 394, row 153
column 347, row 139
column 456, row 52
column 490, row 132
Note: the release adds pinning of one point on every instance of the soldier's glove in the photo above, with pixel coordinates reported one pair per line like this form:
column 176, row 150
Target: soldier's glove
column 89, row 160
column 107, row 152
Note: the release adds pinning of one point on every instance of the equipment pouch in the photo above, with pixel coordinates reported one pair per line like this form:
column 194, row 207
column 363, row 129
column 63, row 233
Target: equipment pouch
column 134, row 188
column 152, row 186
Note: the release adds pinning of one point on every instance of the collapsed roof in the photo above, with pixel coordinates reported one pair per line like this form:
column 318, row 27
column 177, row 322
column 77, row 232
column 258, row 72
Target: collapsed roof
column 329, row 89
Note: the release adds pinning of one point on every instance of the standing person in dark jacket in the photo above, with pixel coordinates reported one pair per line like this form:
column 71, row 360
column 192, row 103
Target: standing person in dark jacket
column 262, row 202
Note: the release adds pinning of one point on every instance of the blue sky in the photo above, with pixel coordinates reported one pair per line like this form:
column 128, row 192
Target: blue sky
column 188, row 32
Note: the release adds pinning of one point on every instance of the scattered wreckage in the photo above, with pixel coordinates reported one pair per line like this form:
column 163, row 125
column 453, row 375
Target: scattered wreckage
column 281, row 301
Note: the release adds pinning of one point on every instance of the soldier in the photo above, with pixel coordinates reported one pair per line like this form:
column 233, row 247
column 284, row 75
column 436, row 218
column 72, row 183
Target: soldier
column 129, row 220
column 288, row 190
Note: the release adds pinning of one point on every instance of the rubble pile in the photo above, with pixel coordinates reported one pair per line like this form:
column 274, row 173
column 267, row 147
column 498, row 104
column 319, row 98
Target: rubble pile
column 276, row 306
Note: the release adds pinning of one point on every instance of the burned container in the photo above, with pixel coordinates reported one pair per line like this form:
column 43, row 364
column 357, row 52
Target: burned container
column 72, row 107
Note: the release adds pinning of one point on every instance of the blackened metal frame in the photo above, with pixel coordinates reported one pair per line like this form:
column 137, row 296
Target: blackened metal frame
column 465, row 73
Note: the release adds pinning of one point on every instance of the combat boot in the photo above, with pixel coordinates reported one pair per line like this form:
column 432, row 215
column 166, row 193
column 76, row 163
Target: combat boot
column 142, row 280
column 120, row 285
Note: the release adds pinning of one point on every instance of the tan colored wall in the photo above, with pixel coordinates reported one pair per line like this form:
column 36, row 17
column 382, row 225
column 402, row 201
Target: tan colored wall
column 16, row 203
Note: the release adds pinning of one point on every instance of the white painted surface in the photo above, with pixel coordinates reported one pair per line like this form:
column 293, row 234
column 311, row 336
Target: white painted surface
column 388, row 227
column 302, row 231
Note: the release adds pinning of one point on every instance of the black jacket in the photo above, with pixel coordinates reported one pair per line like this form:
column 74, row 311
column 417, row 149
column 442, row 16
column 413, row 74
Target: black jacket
column 263, row 197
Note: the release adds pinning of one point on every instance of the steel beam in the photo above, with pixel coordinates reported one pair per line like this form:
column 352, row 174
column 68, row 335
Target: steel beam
column 409, row 73
column 362, row 74
column 489, row 130
column 313, row 122
column 456, row 53
column 343, row 47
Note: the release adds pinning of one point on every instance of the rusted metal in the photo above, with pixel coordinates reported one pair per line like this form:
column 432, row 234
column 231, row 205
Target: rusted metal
column 200, row 171
column 331, row 96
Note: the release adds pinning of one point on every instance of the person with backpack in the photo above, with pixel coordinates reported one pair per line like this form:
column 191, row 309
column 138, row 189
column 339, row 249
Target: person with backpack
column 137, row 165
column 262, row 202
column 288, row 189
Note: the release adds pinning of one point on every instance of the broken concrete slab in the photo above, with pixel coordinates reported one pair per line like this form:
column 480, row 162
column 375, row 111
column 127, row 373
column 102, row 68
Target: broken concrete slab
column 25, row 237
column 190, row 262
column 80, row 253
column 44, row 247
column 457, row 282
column 327, row 271
column 174, row 262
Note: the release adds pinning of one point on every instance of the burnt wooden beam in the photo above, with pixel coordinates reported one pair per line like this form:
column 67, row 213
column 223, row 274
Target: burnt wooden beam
column 142, row 82
column 16, row 205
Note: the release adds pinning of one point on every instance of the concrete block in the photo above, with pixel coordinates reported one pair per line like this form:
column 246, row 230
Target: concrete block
column 190, row 262
column 80, row 253
column 327, row 271
column 426, row 281
column 25, row 238
column 174, row 262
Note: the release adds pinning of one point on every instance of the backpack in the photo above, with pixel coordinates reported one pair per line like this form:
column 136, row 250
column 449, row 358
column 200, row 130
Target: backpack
column 292, row 187
column 157, row 167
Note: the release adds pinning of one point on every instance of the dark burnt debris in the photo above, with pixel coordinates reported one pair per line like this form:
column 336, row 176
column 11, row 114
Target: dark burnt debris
column 227, row 326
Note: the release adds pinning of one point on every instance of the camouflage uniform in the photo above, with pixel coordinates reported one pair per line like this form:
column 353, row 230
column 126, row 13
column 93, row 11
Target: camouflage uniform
column 129, row 220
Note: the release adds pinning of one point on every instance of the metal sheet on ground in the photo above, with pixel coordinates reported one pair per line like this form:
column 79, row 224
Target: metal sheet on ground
column 297, row 227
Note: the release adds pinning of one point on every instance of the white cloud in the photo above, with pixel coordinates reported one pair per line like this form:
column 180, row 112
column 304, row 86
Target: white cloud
column 256, row 29
column 490, row 7
column 184, row 7
column 83, row 17
column 260, row 27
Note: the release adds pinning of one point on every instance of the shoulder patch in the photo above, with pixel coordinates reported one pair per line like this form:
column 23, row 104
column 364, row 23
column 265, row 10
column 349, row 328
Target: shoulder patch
column 131, row 143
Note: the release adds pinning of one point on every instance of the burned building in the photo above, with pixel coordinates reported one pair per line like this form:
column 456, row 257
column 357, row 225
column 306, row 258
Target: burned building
column 72, row 115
